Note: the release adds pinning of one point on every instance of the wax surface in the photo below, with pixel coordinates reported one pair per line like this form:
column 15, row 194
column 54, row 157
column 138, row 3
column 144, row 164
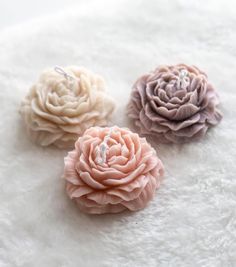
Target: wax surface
column 127, row 179
column 174, row 108
column 58, row 109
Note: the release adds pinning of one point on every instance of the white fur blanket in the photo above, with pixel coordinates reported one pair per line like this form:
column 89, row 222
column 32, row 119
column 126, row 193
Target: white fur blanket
column 192, row 220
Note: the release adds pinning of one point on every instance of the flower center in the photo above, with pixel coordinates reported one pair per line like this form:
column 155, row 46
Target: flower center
column 72, row 89
column 183, row 80
column 70, row 79
column 101, row 157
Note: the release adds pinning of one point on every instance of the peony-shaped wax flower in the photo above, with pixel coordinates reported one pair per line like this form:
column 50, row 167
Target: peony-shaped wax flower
column 63, row 103
column 111, row 170
column 174, row 104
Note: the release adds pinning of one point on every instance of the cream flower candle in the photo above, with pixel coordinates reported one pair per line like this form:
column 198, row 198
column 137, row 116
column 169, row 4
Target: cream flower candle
column 111, row 170
column 63, row 103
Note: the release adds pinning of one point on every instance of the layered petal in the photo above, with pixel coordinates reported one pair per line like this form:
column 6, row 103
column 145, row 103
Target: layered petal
column 126, row 179
column 174, row 103
column 58, row 109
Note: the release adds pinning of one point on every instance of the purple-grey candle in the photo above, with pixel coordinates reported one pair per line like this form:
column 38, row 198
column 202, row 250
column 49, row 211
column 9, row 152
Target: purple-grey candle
column 174, row 103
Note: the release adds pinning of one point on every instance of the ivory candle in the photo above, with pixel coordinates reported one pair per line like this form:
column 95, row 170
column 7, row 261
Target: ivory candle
column 63, row 103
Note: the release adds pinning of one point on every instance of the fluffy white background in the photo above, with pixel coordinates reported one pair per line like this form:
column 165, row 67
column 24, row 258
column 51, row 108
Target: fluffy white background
column 192, row 220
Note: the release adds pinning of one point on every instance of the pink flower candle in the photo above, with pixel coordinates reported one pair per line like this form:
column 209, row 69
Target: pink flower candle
column 111, row 170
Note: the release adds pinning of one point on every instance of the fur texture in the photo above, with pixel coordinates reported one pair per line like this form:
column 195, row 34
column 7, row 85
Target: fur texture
column 192, row 219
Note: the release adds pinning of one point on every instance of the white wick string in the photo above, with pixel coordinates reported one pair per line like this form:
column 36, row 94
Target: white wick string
column 61, row 71
column 102, row 153
column 183, row 80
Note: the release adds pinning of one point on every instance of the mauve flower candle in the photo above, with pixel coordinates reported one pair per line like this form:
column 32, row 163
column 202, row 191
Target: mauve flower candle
column 174, row 103
column 112, row 170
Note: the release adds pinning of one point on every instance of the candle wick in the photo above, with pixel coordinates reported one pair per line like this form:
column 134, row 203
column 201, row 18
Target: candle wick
column 62, row 72
column 183, row 80
column 102, row 153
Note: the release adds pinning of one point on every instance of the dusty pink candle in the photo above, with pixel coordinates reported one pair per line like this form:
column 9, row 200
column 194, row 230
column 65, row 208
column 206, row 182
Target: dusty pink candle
column 111, row 170
column 174, row 103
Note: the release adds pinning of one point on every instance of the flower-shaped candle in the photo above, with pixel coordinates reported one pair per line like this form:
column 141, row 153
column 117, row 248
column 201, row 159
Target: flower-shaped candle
column 174, row 103
column 63, row 104
column 111, row 170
